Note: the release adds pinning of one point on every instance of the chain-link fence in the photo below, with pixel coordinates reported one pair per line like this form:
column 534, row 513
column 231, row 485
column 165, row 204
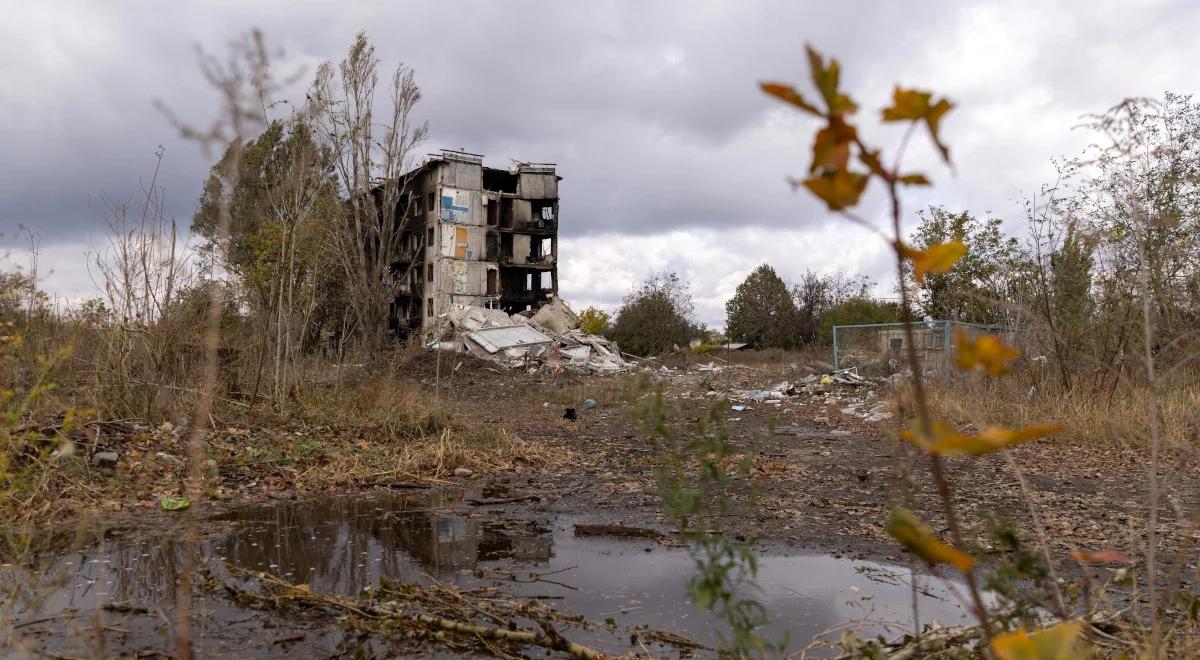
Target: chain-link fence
column 879, row 349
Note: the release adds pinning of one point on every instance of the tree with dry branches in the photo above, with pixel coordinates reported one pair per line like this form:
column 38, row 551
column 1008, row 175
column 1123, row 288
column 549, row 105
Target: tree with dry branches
column 371, row 159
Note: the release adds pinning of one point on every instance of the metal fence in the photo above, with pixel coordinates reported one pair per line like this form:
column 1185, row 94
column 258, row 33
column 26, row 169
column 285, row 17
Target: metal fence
column 878, row 349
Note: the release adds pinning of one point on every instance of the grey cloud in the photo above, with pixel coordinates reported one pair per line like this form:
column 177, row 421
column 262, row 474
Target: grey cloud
column 650, row 109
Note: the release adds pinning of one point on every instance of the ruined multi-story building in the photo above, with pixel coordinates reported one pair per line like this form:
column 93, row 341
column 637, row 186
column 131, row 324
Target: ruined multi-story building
column 475, row 235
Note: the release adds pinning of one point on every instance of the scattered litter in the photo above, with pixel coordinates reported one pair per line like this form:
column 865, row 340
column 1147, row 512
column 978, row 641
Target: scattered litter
column 463, row 472
column 105, row 459
column 175, row 504
column 738, row 408
column 589, row 404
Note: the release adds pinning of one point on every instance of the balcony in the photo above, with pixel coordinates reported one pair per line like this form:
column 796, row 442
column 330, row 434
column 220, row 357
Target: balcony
column 542, row 263
column 543, row 228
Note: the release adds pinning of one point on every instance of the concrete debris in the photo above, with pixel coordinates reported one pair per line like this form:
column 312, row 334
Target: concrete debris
column 842, row 390
column 548, row 338
column 516, row 341
column 556, row 317
column 105, row 459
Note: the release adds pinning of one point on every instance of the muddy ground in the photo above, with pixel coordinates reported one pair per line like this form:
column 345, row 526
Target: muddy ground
column 820, row 480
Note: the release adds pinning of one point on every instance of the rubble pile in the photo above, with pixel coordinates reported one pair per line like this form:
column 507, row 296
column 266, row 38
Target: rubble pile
column 844, row 390
column 821, row 388
column 549, row 337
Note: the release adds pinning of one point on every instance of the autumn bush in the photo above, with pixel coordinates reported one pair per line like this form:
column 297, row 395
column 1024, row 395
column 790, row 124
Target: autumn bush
column 656, row 316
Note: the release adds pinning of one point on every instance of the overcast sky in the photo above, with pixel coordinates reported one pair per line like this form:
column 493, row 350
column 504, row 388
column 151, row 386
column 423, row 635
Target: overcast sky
column 671, row 157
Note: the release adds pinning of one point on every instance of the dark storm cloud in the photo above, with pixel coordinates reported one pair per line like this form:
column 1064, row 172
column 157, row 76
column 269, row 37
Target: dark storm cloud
column 633, row 102
column 650, row 109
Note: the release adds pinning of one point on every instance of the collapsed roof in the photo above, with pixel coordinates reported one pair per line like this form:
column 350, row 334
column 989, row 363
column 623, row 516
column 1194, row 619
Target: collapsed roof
column 551, row 337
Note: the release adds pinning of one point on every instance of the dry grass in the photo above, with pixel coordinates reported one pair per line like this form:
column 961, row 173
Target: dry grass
column 615, row 390
column 1120, row 417
column 383, row 430
column 386, row 428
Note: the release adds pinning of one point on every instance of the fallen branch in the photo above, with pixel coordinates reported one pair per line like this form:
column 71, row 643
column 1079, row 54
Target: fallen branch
column 549, row 638
column 552, row 641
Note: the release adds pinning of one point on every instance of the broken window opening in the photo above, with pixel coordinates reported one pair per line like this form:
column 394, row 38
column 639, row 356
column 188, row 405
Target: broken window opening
column 542, row 212
column 493, row 213
column 429, row 278
column 545, row 282
column 429, row 242
column 499, row 180
column 506, row 247
column 430, row 202
column 491, row 247
column 506, row 212
column 429, row 307
column 529, row 281
column 491, row 281
column 542, row 250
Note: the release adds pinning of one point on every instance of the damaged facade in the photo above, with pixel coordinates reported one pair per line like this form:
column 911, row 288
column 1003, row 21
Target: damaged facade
column 475, row 236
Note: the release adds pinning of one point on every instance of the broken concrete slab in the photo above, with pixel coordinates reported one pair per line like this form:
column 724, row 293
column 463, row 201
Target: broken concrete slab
column 549, row 336
column 498, row 339
column 556, row 317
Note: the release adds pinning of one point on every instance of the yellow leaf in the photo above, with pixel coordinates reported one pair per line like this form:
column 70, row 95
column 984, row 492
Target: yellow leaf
column 916, row 105
column 907, row 105
column 944, row 439
column 1059, row 642
column 839, row 189
column 986, row 353
column 825, row 78
column 788, row 94
column 934, row 259
column 871, row 160
column 831, row 148
column 913, row 180
column 919, row 539
column 1007, row 437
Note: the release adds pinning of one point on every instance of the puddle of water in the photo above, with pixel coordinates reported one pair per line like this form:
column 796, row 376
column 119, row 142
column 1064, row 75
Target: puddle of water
column 343, row 545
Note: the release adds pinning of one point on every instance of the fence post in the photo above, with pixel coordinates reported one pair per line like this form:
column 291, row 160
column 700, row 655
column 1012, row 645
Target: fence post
column 946, row 359
column 835, row 349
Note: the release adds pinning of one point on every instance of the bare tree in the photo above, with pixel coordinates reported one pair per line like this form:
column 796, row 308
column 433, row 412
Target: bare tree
column 140, row 270
column 371, row 160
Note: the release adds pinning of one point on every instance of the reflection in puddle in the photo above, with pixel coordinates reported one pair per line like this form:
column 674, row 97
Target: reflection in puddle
column 344, row 545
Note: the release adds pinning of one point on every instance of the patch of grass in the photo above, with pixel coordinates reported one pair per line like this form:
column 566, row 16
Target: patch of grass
column 615, row 390
column 1118, row 417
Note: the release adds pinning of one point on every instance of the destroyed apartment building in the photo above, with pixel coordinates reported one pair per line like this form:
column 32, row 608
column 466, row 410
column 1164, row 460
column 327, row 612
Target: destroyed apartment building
column 478, row 270
column 476, row 236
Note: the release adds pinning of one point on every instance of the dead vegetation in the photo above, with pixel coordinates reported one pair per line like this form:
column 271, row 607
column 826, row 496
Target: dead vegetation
column 1117, row 418
column 483, row 620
